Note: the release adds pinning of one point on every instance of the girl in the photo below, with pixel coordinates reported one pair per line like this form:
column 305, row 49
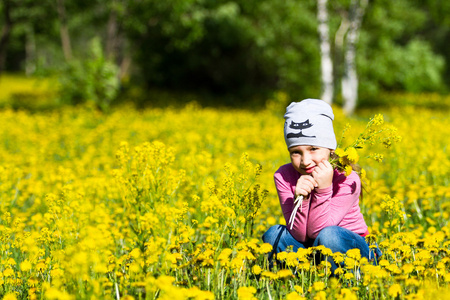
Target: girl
column 329, row 214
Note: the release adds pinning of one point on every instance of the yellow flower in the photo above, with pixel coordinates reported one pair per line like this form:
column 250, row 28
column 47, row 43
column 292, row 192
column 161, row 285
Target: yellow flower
column 320, row 296
column 354, row 253
column 282, row 255
column 395, row 290
column 352, row 155
column 339, row 271
column 256, row 270
column 325, row 251
column 244, row 254
column 318, row 286
column 338, row 257
column 53, row 293
column 164, row 282
column 196, row 293
column 291, row 259
column 348, row 170
column 10, row 296
column 408, row 268
column 298, row 289
column 347, row 294
column 41, row 266
column 246, row 293
column 285, row 273
column 225, row 254
column 25, row 265
column 378, row 119
column 349, row 276
column 339, row 152
column 294, row 296
column 269, row 275
column 8, row 272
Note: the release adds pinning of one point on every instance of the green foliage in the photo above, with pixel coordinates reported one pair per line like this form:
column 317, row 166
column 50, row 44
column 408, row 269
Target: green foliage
column 395, row 54
column 414, row 67
column 93, row 79
column 33, row 101
column 229, row 47
column 239, row 48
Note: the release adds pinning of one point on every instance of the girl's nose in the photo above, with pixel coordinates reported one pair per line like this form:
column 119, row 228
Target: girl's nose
column 306, row 160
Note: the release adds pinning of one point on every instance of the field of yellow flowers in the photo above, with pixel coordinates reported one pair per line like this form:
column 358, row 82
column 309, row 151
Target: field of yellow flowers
column 171, row 204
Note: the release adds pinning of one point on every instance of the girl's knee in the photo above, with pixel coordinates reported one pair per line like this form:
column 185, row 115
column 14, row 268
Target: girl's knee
column 272, row 234
column 329, row 237
column 328, row 233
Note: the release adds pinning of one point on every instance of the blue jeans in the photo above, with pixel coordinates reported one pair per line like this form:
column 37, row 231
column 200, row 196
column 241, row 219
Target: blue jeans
column 336, row 238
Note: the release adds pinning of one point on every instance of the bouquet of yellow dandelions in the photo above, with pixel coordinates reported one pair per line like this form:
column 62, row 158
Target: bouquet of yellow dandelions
column 376, row 132
column 345, row 160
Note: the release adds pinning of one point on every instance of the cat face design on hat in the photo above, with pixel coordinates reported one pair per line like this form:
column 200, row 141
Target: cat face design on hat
column 309, row 122
column 299, row 126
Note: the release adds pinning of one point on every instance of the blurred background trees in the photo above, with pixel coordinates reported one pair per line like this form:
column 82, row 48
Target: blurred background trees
column 237, row 51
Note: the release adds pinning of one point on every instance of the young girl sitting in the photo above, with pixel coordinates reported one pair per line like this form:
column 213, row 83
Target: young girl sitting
column 329, row 214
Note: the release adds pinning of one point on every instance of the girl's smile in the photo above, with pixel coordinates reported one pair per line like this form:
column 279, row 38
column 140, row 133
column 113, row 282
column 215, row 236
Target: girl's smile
column 305, row 158
column 309, row 170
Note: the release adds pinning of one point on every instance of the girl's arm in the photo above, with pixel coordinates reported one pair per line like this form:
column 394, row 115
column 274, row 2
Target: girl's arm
column 330, row 205
column 285, row 179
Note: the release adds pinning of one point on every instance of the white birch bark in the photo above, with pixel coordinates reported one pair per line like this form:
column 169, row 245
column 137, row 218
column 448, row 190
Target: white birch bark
column 64, row 30
column 341, row 32
column 350, row 77
column 30, row 52
column 111, row 34
column 326, row 63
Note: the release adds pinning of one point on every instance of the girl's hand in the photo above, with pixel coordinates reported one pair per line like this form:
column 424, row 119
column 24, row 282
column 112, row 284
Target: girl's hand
column 323, row 174
column 305, row 185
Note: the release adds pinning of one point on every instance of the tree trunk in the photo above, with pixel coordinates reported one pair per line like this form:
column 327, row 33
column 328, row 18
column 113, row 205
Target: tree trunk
column 111, row 35
column 124, row 67
column 326, row 64
column 30, row 52
column 64, row 30
column 350, row 77
column 6, row 33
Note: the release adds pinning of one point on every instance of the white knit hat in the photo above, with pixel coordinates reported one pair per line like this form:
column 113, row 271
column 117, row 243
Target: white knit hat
column 309, row 122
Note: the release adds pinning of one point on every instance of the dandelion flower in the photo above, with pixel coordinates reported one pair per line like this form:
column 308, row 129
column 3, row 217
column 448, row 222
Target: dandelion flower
column 269, row 275
column 349, row 276
column 25, row 265
column 294, row 296
column 10, row 296
column 285, row 273
column 348, row 170
column 256, row 270
column 339, row 271
column 395, row 290
column 320, row 296
column 352, row 155
column 245, row 293
column 318, row 286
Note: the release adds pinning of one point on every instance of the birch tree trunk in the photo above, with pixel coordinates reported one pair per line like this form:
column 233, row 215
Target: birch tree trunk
column 5, row 33
column 326, row 63
column 350, row 77
column 111, row 35
column 30, row 52
column 64, row 30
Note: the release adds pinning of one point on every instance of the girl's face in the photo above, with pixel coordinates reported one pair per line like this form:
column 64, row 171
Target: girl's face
column 306, row 158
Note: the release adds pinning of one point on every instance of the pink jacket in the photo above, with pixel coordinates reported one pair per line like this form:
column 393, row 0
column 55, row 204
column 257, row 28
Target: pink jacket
column 335, row 205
